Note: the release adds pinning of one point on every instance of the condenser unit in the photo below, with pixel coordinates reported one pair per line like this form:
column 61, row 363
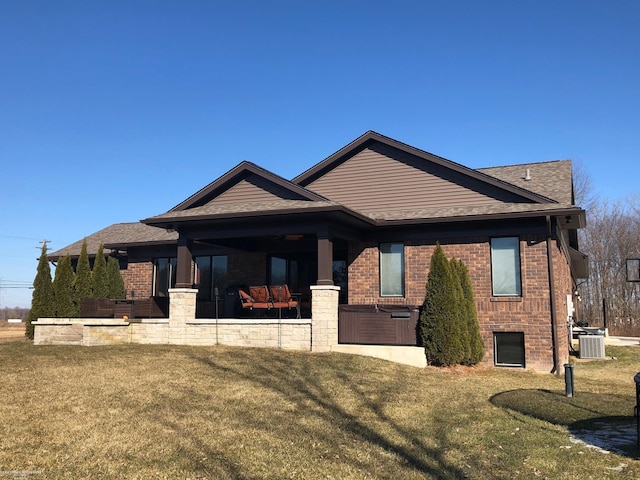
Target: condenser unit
column 591, row 346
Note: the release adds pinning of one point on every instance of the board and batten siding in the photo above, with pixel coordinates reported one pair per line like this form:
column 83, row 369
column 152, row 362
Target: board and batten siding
column 383, row 178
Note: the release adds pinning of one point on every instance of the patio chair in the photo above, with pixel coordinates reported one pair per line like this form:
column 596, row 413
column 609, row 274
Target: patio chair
column 257, row 298
column 282, row 298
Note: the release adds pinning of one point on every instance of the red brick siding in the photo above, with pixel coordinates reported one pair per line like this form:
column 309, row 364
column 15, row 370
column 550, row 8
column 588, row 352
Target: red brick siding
column 530, row 313
column 138, row 276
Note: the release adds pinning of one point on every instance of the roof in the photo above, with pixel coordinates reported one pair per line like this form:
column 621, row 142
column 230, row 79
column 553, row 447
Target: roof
column 551, row 179
column 248, row 190
column 120, row 234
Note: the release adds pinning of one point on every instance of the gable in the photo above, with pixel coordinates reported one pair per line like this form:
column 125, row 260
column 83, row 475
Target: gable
column 383, row 177
column 254, row 188
column 246, row 183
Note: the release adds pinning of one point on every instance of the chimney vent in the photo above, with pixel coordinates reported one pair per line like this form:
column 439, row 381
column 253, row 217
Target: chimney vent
column 527, row 175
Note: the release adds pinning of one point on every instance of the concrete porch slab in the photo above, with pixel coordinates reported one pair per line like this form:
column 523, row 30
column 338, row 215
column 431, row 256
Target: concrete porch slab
column 413, row 356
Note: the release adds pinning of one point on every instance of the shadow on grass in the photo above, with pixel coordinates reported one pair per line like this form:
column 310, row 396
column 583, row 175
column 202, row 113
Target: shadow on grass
column 296, row 383
column 599, row 420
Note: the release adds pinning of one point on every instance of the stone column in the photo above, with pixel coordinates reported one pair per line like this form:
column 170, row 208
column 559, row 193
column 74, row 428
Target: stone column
column 324, row 314
column 182, row 307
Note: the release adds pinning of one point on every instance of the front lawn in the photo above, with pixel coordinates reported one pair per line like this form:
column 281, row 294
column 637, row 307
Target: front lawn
column 174, row 412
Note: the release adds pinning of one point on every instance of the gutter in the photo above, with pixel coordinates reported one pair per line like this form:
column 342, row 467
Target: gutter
column 552, row 301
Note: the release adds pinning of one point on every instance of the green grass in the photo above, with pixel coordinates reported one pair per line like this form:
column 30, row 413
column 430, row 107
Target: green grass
column 220, row 412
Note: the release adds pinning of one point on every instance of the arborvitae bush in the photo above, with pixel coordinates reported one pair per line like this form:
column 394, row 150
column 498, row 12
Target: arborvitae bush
column 42, row 299
column 99, row 275
column 63, row 288
column 84, row 286
column 439, row 325
column 476, row 345
column 116, row 283
column 461, row 309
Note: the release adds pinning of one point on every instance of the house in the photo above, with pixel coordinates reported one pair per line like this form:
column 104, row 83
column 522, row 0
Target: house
column 352, row 236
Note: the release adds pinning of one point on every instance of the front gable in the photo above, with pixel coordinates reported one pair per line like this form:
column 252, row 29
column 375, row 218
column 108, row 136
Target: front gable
column 246, row 183
column 375, row 173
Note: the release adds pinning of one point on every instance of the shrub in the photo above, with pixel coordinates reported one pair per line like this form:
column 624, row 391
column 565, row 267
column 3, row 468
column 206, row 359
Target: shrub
column 439, row 323
column 84, row 286
column 474, row 350
column 63, row 288
column 116, row 283
column 42, row 299
column 99, row 277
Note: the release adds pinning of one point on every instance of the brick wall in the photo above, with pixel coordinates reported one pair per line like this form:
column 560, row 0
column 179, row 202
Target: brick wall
column 530, row 313
column 138, row 276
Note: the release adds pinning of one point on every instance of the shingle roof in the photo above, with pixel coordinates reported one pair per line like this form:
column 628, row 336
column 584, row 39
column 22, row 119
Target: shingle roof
column 119, row 233
column 258, row 208
column 550, row 179
column 466, row 211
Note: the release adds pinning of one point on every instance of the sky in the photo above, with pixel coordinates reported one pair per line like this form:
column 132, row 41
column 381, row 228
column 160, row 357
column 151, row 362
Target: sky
column 117, row 111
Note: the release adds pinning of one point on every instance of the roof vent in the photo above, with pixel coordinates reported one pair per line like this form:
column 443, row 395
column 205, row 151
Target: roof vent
column 527, row 175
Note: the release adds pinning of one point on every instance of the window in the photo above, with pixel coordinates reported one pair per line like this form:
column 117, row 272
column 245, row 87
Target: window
column 164, row 276
column 505, row 266
column 210, row 273
column 508, row 348
column 391, row 269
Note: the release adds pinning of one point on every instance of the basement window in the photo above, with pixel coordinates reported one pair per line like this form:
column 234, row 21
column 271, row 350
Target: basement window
column 508, row 349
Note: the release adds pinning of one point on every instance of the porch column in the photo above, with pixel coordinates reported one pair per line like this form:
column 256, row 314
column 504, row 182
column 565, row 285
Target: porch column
column 184, row 278
column 182, row 308
column 325, row 259
column 324, row 312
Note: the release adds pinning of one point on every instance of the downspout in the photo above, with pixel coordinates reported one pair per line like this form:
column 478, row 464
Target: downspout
column 552, row 300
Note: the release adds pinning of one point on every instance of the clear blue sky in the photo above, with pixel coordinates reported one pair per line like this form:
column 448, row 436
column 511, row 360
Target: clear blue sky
column 104, row 104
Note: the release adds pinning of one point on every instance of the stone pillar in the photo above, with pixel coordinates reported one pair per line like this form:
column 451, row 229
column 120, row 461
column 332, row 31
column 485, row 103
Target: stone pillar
column 324, row 314
column 182, row 307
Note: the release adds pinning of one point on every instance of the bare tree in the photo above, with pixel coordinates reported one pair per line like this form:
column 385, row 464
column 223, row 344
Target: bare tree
column 612, row 235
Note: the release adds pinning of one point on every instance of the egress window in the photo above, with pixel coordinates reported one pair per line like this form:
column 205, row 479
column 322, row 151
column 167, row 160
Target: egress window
column 505, row 267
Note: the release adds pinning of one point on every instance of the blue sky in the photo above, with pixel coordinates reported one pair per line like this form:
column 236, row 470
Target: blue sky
column 104, row 104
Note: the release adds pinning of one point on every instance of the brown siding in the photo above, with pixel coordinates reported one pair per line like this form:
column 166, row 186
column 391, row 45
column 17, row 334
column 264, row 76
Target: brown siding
column 408, row 182
column 254, row 189
column 530, row 313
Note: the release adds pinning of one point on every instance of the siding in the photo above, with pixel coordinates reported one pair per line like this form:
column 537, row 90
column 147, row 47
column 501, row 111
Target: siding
column 383, row 178
column 254, row 189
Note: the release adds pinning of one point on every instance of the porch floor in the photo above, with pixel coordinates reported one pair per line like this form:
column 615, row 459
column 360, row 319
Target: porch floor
column 413, row 356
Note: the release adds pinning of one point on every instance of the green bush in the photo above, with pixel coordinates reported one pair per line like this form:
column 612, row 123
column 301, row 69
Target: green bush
column 63, row 288
column 439, row 324
column 449, row 327
column 42, row 299
column 84, row 284
column 469, row 319
column 116, row 283
column 99, row 276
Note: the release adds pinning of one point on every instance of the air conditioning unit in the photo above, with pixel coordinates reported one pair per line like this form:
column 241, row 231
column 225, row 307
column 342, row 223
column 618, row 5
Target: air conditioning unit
column 591, row 346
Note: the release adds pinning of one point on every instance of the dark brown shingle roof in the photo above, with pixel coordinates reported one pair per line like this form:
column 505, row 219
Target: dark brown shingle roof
column 119, row 233
column 550, row 179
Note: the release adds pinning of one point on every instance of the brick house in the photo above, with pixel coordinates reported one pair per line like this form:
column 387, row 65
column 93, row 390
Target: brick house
column 353, row 236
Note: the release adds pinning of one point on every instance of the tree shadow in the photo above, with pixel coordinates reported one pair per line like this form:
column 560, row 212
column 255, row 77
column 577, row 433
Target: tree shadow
column 293, row 380
column 599, row 420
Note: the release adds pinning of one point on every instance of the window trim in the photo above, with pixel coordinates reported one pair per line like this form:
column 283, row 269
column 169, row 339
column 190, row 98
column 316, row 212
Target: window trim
column 519, row 273
column 402, row 272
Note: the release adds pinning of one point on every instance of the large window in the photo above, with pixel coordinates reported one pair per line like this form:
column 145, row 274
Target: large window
column 164, row 276
column 210, row 273
column 508, row 349
column 505, row 266
column 391, row 269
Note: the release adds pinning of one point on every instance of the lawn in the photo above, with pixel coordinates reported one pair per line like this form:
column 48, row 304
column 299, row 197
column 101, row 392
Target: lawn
column 179, row 412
